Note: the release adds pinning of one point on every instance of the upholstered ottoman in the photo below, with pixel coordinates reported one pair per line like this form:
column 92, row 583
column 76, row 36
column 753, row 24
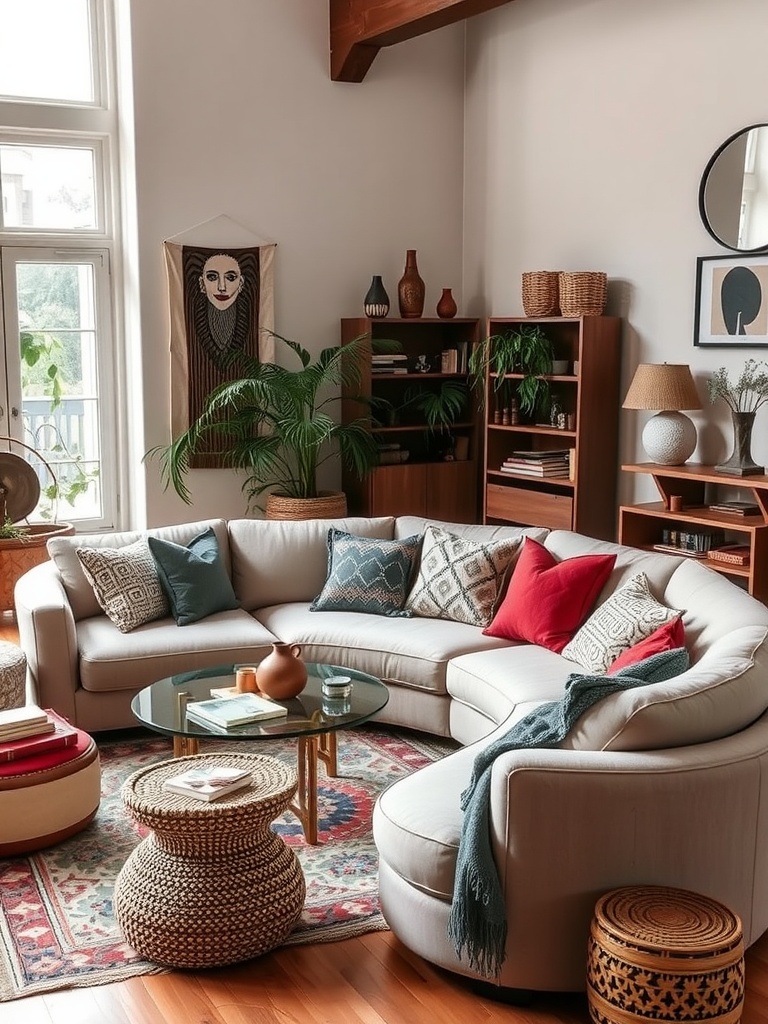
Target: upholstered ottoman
column 13, row 676
column 49, row 797
column 661, row 954
column 212, row 884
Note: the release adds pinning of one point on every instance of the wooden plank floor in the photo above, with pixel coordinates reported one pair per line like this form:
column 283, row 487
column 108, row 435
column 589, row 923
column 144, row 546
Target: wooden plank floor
column 370, row 980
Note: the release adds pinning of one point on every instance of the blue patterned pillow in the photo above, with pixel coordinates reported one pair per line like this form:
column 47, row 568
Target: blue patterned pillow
column 367, row 575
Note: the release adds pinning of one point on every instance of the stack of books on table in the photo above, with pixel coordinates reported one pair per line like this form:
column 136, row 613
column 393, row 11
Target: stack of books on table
column 389, row 364
column 539, row 464
column 27, row 731
column 224, row 713
column 208, row 783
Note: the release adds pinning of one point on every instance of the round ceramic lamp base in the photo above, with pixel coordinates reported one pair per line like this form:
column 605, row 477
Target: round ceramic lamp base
column 669, row 438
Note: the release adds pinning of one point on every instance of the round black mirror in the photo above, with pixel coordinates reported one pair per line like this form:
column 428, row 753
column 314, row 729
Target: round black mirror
column 733, row 195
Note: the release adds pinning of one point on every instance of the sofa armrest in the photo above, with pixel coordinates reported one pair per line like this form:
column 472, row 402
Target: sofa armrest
column 48, row 638
column 568, row 826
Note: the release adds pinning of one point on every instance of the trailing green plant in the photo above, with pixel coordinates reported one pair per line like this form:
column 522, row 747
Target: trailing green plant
column 10, row 531
column 749, row 391
column 525, row 350
column 276, row 425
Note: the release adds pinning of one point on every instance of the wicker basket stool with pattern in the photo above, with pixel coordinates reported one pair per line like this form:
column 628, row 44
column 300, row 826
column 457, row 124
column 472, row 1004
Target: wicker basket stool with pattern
column 13, row 676
column 662, row 954
column 211, row 884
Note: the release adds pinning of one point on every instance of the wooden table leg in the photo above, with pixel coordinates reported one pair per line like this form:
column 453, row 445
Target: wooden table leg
column 184, row 745
column 304, row 804
column 326, row 751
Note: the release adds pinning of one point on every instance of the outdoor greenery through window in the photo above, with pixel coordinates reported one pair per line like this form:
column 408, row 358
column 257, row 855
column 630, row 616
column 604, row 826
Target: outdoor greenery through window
column 57, row 143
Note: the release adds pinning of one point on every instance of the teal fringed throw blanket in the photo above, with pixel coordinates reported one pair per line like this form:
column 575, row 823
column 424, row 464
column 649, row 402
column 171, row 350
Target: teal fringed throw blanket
column 478, row 920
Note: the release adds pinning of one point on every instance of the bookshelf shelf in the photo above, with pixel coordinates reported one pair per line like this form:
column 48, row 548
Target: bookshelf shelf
column 695, row 484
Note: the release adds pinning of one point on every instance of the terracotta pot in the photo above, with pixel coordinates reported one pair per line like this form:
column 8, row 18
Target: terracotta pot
column 410, row 288
column 446, row 307
column 282, row 674
column 20, row 554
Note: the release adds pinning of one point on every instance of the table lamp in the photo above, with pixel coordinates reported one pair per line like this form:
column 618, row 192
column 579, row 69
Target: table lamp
column 669, row 437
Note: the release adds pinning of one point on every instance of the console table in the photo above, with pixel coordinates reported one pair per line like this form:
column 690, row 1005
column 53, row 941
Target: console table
column 642, row 525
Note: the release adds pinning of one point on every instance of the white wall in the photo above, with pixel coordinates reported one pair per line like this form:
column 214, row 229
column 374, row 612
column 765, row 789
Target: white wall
column 236, row 114
column 588, row 125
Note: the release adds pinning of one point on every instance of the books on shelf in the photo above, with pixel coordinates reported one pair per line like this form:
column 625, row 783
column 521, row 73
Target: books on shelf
column 208, row 783
column 542, row 456
column 736, row 508
column 449, row 361
column 389, row 358
column 553, row 463
column 674, row 549
column 540, row 472
column 692, row 540
column 389, row 369
column 229, row 712
column 63, row 735
column 734, row 554
column 30, row 720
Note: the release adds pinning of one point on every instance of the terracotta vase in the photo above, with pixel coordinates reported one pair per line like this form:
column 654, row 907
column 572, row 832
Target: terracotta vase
column 410, row 288
column 446, row 307
column 282, row 674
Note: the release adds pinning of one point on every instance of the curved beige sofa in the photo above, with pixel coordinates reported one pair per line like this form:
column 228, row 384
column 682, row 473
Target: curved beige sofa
column 663, row 784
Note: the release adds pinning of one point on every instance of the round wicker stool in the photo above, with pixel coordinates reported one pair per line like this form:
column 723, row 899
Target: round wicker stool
column 660, row 954
column 13, row 676
column 212, row 884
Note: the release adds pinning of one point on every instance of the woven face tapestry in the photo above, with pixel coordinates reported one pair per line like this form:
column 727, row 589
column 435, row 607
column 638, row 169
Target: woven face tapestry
column 221, row 305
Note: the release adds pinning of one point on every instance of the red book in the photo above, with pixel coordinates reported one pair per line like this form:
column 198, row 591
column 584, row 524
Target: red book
column 64, row 735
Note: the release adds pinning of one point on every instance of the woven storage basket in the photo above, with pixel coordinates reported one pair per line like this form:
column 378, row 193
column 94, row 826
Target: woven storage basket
column 582, row 293
column 327, row 505
column 661, row 954
column 540, row 293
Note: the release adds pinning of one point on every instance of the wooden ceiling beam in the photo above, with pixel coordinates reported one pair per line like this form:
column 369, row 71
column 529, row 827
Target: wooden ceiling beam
column 359, row 28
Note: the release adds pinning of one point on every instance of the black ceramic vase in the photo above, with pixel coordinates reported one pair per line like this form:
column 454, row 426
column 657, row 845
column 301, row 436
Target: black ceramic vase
column 376, row 301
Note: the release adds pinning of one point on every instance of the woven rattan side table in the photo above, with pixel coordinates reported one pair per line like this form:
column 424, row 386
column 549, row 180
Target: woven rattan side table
column 13, row 675
column 212, row 884
column 662, row 954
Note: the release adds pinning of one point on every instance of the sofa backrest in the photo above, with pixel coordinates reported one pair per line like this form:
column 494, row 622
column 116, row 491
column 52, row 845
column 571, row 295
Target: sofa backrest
column 80, row 592
column 406, row 526
column 281, row 561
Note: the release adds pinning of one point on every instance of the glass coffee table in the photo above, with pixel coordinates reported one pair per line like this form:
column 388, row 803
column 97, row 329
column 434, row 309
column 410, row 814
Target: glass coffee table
column 313, row 718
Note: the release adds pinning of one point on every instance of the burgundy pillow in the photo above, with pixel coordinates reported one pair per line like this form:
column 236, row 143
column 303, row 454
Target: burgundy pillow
column 666, row 638
column 547, row 600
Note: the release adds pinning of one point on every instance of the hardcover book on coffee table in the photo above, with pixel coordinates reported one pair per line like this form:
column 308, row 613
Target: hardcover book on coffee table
column 228, row 712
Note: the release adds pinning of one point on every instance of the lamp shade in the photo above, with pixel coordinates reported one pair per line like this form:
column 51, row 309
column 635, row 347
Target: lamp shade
column 662, row 386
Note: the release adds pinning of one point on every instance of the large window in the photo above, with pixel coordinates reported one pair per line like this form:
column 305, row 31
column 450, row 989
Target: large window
column 57, row 239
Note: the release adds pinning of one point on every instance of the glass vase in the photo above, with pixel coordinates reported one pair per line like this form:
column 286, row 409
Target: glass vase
column 741, row 463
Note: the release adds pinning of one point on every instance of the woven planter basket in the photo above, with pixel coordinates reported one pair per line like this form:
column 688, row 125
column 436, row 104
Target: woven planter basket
column 582, row 293
column 20, row 554
column 541, row 293
column 327, row 505
column 662, row 954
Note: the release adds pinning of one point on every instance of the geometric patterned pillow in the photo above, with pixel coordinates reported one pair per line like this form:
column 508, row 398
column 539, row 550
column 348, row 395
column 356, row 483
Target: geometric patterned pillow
column 629, row 615
column 367, row 575
column 460, row 579
column 125, row 583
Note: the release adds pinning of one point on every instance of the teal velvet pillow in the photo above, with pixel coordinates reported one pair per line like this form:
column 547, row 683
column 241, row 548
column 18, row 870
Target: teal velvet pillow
column 367, row 575
column 193, row 577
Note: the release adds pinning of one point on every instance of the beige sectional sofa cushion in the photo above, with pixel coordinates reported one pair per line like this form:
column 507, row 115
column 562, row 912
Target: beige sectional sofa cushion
column 80, row 592
column 276, row 562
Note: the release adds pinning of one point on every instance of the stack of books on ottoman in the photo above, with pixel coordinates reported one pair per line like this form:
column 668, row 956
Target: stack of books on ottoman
column 208, row 783
column 29, row 731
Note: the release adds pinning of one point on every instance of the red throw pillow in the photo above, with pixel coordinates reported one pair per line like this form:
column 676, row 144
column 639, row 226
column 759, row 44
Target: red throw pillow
column 666, row 638
column 547, row 600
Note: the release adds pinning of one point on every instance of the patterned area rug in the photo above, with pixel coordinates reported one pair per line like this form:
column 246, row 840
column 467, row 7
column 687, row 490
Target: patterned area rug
column 57, row 929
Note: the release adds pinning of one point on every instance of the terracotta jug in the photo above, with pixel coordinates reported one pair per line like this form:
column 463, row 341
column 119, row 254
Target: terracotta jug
column 410, row 288
column 282, row 674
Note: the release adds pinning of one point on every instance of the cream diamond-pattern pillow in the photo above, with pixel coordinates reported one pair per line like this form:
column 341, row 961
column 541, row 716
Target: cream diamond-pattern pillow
column 629, row 615
column 460, row 579
column 125, row 583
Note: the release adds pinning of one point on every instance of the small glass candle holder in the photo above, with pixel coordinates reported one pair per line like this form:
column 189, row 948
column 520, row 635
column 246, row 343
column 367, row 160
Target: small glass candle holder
column 337, row 687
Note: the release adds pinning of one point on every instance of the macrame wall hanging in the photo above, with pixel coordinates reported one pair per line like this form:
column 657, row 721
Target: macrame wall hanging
column 221, row 300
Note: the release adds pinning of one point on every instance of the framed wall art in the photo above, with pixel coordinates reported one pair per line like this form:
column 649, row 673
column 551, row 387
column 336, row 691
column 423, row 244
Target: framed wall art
column 731, row 301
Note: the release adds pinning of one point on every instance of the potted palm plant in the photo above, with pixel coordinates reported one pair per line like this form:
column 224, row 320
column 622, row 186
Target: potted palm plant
column 276, row 425
column 525, row 350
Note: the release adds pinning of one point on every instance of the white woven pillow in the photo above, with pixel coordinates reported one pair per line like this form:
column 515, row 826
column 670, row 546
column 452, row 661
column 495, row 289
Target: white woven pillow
column 125, row 583
column 629, row 615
